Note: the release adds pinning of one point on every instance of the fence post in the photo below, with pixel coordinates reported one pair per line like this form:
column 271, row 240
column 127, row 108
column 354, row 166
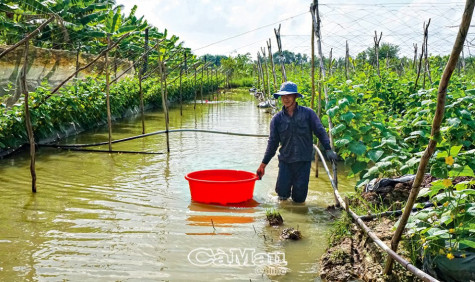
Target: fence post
column 29, row 127
column 109, row 118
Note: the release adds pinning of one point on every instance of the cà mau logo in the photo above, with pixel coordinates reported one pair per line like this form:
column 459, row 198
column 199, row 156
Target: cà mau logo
column 235, row 257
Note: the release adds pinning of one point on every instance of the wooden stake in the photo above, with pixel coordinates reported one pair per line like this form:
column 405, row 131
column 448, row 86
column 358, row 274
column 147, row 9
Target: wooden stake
column 109, row 118
column 263, row 50
column 427, row 63
column 347, row 60
column 181, row 93
column 376, row 49
column 141, row 103
column 312, row 72
column 194, row 88
column 423, row 52
column 435, row 132
column 29, row 126
column 415, row 55
column 271, row 59
column 316, row 20
column 162, row 90
column 202, row 78
column 141, row 73
column 279, row 45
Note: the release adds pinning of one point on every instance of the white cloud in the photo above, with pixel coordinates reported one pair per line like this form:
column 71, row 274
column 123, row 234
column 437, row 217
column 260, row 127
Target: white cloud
column 203, row 22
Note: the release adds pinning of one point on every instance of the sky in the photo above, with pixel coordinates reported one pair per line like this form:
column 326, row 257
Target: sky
column 231, row 27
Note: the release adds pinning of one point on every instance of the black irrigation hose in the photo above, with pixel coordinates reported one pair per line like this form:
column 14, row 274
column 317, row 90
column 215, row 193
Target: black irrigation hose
column 395, row 213
column 149, row 134
column 113, row 151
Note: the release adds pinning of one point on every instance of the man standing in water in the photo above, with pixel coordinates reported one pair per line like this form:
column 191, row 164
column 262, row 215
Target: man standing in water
column 293, row 129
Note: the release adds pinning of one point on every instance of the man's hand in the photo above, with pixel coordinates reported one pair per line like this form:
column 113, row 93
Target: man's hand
column 261, row 170
column 332, row 156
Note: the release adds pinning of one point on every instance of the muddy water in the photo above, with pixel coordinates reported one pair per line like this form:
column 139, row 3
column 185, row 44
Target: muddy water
column 122, row 217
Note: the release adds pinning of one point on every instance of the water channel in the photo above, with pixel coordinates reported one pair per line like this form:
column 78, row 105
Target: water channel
column 129, row 217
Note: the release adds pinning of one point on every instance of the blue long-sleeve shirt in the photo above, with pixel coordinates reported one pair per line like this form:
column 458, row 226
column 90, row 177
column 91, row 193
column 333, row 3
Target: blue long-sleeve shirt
column 294, row 134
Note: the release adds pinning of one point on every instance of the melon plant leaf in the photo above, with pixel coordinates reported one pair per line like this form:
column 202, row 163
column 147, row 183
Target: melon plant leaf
column 339, row 128
column 375, row 155
column 347, row 116
column 358, row 166
column 357, row 148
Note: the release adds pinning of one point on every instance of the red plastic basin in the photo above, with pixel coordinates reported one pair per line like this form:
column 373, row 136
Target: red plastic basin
column 221, row 186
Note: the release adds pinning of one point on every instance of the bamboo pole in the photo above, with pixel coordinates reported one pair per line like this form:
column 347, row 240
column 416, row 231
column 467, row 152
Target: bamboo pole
column 29, row 127
column 181, row 93
column 271, row 58
column 202, row 78
column 427, row 63
column 77, row 67
column 207, row 78
column 194, row 88
column 109, row 118
column 347, row 60
column 263, row 50
column 415, row 55
column 26, row 38
column 141, row 73
column 312, row 75
column 217, row 80
column 376, row 49
column 261, row 74
column 439, row 115
column 316, row 20
column 312, row 68
column 141, row 103
column 423, row 52
column 279, row 45
column 162, row 90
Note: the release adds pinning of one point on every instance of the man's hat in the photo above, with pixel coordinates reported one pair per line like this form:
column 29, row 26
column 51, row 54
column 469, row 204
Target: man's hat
column 288, row 88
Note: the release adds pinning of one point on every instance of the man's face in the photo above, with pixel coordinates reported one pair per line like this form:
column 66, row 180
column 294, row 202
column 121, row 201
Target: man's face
column 288, row 100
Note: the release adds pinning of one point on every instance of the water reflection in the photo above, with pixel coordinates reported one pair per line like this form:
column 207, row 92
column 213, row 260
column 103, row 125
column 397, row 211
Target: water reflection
column 113, row 217
column 221, row 216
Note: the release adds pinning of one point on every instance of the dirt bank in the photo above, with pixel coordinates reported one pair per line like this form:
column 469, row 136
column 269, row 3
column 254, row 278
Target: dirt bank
column 355, row 256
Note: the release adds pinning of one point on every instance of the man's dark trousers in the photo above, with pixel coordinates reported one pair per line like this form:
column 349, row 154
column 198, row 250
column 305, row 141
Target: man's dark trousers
column 293, row 180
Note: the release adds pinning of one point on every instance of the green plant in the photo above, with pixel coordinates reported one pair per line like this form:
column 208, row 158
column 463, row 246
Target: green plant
column 448, row 228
